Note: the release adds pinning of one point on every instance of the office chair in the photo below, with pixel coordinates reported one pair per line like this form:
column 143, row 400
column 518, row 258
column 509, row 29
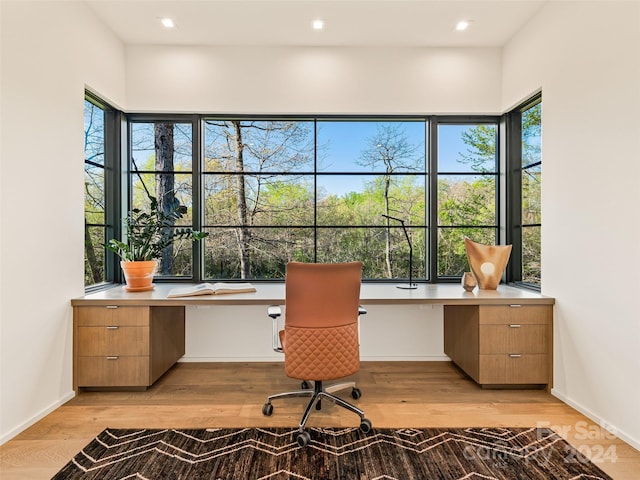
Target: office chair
column 320, row 337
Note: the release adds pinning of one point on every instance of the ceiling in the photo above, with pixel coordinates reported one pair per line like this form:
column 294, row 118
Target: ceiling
column 288, row 22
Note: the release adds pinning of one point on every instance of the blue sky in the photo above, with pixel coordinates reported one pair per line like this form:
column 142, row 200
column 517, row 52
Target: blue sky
column 342, row 143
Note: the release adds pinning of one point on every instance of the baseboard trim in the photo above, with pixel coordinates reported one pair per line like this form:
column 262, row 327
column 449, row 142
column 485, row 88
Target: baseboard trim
column 229, row 359
column 279, row 358
column 609, row 427
column 36, row 418
column 378, row 358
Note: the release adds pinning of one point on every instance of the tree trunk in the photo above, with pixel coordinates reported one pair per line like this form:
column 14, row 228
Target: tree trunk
column 165, row 186
column 243, row 231
column 96, row 271
column 387, row 249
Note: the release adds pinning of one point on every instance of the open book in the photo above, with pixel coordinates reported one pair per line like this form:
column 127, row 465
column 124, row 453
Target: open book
column 211, row 289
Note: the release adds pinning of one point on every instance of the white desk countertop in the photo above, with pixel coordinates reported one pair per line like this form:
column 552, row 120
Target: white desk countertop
column 370, row 294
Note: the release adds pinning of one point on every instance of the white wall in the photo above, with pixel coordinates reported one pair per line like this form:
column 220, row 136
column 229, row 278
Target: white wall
column 243, row 334
column 313, row 80
column 586, row 58
column 50, row 50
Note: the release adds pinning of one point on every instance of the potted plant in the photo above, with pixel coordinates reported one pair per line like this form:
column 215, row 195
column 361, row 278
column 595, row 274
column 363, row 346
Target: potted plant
column 147, row 235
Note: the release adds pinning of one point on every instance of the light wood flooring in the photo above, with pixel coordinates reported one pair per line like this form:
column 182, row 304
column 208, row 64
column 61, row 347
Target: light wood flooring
column 394, row 394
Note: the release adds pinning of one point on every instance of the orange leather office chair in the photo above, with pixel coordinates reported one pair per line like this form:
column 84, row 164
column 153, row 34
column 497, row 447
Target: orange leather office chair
column 320, row 337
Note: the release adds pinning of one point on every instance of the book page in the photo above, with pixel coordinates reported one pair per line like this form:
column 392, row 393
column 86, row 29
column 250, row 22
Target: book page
column 209, row 289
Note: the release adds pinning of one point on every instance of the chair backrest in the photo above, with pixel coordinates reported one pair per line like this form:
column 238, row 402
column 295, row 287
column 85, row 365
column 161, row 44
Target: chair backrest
column 322, row 294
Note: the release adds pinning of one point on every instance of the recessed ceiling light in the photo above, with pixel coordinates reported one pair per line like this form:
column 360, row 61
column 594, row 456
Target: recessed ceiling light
column 167, row 22
column 462, row 25
column 318, row 24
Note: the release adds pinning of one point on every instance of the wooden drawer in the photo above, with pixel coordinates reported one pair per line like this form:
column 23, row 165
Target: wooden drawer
column 115, row 371
column 113, row 340
column 510, row 369
column 515, row 314
column 112, row 316
column 501, row 344
column 514, row 338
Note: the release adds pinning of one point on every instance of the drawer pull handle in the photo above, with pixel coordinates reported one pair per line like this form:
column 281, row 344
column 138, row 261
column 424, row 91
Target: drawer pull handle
column 515, row 305
column 112, row 358
column 514, row 325
column 111, row 306
column 113, row 327
column 514, row 355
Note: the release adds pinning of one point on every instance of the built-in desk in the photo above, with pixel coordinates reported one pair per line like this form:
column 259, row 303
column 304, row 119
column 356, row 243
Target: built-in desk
column 498, row 337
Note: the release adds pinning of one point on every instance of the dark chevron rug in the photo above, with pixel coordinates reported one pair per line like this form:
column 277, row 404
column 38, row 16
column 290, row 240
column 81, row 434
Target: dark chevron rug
column 333, row 454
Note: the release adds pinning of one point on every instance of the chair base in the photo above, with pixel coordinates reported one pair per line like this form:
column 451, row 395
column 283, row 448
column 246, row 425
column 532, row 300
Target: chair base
column 316, row 395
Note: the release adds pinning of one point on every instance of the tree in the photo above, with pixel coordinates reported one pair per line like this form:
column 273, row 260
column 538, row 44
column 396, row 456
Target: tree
column 531, row 194
column 160, row 151
column 481, row 154
column 165, row 190
column 391, row 149
column 94, row 192
column 252, row 156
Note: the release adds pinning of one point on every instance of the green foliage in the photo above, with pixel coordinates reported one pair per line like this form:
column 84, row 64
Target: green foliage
column 148, row 233
column 481, row 154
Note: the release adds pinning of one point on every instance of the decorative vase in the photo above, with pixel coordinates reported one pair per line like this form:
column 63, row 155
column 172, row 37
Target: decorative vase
column 139, row 275
column 487, row 262
column 469, row 281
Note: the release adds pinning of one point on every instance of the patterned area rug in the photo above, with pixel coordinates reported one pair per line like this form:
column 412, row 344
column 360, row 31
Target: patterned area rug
column 333, row 454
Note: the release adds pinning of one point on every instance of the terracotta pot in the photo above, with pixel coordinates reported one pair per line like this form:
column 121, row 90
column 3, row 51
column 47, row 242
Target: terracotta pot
column 139, row 275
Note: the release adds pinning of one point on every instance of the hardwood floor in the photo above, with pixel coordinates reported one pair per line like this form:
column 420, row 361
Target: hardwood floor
column 395, row 394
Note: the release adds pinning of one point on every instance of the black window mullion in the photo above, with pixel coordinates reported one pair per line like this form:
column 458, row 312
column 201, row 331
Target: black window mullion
column 113, row 180
column 514, row 194
column 197, row 197
column 432, row 210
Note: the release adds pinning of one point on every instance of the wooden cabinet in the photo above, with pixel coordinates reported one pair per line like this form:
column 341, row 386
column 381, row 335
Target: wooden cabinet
column 499, row 345
column 125, row 346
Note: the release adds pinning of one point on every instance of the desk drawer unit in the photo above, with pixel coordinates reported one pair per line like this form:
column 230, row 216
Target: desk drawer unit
column 501, row 344
column 123, row 346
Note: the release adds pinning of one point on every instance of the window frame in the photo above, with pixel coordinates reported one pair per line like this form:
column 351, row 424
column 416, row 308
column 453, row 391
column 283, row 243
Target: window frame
column 112, row 187
column 196, row 180
column 431, row 181
column 513, row 202
column 440, row 120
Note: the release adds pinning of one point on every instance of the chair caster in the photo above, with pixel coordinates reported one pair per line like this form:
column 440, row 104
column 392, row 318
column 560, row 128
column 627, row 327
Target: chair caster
column 356, row 393
column 365, row 425
column 267, row 409
column 303, row 438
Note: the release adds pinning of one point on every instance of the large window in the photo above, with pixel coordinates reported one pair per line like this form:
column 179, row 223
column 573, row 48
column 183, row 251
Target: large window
column 95, row 197
column 531, row 128
column 272, row 190
column 524, row 175
column 312, row 190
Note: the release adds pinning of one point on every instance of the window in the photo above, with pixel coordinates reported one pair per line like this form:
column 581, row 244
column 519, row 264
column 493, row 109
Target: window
column 272, row 190
column 467, row 192
column 524, row 175
column 312, row 190
column 95, row 196
column 531, row 126
column 161, row 166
